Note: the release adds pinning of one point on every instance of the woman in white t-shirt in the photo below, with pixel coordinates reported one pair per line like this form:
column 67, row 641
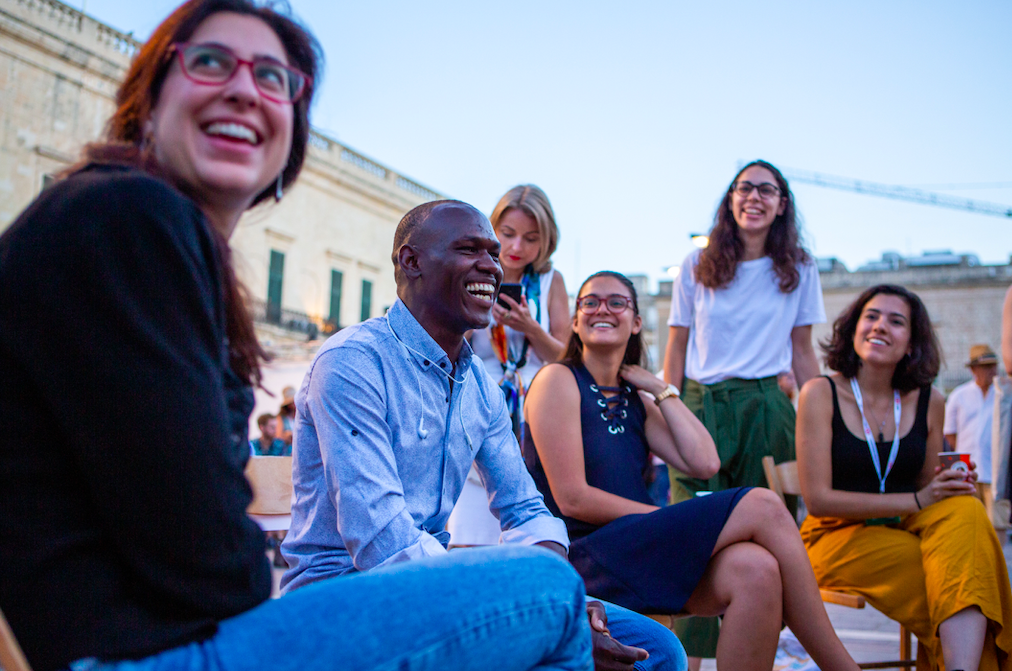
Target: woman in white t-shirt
column 522, row 337
column 742, row 311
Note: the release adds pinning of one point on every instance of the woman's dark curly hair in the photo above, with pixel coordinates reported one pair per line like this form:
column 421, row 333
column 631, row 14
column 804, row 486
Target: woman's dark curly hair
column 916, row 369
column 719, row 261
column 125, row 141
column 635, row 352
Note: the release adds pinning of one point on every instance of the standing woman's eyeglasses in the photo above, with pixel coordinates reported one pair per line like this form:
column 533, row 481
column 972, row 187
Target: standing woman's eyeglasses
column 766, row 190
column 214, row 64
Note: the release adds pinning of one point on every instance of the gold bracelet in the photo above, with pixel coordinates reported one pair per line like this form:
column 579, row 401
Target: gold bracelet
column 669, row 391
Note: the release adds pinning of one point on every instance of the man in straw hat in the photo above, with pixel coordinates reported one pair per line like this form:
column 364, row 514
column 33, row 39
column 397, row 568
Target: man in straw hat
column 969, row 411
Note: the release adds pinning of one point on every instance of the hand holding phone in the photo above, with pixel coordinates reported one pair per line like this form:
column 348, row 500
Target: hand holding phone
column 510, row 289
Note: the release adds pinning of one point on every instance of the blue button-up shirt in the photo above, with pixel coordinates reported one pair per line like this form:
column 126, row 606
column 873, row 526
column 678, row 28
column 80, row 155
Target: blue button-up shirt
column 383, row 444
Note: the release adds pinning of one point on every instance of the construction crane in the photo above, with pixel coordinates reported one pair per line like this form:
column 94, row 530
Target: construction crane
column 897, row 192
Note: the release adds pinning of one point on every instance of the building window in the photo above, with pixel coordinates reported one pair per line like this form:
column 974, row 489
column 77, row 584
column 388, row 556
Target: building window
column 366, row 299
column 336, row 277
column 275, row 276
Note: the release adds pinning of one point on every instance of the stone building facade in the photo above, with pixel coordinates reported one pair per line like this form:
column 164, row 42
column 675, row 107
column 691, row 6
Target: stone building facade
column 963, row 298
column 317, row 260
column 59, row 71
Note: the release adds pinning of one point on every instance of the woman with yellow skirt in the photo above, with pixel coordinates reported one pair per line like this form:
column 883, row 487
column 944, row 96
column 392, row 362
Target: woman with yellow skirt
column 886, row 520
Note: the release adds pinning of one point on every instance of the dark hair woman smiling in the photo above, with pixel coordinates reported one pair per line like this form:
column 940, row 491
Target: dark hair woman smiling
column 593, row 419
column 126, row 351
column 886, row 521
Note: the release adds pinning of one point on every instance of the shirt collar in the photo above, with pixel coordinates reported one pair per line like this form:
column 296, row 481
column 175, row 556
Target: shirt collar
column 424, row 350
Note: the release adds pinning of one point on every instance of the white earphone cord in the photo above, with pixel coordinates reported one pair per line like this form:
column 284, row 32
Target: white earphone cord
column 422, row 431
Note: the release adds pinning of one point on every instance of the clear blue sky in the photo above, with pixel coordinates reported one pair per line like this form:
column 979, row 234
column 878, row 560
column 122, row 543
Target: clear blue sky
column 634, row 116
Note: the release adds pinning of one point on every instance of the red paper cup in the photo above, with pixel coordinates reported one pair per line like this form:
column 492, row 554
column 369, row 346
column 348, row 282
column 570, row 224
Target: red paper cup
column 957, row 461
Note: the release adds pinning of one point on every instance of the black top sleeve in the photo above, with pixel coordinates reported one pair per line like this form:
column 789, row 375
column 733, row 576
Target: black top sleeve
column 123, row 531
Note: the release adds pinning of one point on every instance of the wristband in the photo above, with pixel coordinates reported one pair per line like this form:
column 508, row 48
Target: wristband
column 917, row 501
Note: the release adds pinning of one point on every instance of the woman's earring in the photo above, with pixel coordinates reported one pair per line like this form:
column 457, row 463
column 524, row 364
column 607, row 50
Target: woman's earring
column 147, row 138
column 278, row 192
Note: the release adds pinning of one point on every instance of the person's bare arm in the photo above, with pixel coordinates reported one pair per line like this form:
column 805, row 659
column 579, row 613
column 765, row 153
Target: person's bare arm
column 936, row 423
column 552, row 410
column 559, row 322
column 674, row 355
column 805, row 363
column 814, row 437
column 673, row 433
column 280, row 431
column 1006, row 332
column 951, row 437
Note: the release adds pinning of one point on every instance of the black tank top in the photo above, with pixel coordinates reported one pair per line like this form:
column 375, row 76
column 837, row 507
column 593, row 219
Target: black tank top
column 853, row 469
column 615, row 452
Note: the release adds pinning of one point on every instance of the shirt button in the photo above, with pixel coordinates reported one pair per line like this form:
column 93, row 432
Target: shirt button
column 426, row 362
column 442, row 365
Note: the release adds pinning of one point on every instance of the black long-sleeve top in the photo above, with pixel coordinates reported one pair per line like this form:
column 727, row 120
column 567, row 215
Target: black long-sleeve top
column 122, row 497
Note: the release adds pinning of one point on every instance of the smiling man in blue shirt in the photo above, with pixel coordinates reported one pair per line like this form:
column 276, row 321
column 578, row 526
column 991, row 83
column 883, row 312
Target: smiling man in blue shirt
column 393, row 412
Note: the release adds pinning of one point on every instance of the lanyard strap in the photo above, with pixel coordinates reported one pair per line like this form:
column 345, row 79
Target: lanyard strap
column 872, row 446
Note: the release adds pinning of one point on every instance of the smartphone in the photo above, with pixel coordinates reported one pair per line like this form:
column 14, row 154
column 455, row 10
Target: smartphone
column 957, row 461
column 509, row 289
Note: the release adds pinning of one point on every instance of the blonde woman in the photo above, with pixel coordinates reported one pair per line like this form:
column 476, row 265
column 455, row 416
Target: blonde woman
column 522, row 337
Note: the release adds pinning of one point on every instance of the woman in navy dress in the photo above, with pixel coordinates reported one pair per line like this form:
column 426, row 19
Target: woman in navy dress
column 592, row 421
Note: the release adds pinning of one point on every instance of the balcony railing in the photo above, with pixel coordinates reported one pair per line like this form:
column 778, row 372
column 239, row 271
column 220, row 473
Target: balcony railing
column 291, row 320
column 367, row 165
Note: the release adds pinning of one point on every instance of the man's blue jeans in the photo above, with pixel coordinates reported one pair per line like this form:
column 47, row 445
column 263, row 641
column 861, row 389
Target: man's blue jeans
column 639, row 631
column 501, row 608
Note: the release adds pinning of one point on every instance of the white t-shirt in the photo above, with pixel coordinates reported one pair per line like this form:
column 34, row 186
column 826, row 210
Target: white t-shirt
column 969, row 414
column 743, row 330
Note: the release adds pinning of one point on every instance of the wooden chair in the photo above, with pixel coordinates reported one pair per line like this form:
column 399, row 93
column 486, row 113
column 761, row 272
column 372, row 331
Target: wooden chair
column 11, row 657
column 783, row 479
column 271, row 480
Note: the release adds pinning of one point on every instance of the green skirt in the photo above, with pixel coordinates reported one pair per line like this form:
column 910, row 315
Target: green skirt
column 748, row 419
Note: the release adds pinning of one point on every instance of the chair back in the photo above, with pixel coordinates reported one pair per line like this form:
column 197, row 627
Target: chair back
column 271, row 480
column 782, row 478
column 11, row 656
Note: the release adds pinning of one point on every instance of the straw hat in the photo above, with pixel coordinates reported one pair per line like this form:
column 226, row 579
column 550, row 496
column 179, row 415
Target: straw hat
column 982, row 355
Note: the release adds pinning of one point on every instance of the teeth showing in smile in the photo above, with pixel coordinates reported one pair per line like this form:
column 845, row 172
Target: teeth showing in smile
column 877, row 341
column 752, row 210
column 602, row 325
column 481, row 290
column 232, row 130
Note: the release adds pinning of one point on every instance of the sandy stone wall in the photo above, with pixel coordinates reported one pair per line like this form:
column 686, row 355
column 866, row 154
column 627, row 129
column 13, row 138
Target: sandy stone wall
column 59, row 71
column 963, row 314
column 58, row 74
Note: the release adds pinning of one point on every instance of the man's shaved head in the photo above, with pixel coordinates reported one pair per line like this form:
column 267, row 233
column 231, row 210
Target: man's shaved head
column 411, row 228
column 446, row 263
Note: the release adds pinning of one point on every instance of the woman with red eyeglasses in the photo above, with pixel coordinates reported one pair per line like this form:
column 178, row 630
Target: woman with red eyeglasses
column 128, row 355
column 593, row 420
